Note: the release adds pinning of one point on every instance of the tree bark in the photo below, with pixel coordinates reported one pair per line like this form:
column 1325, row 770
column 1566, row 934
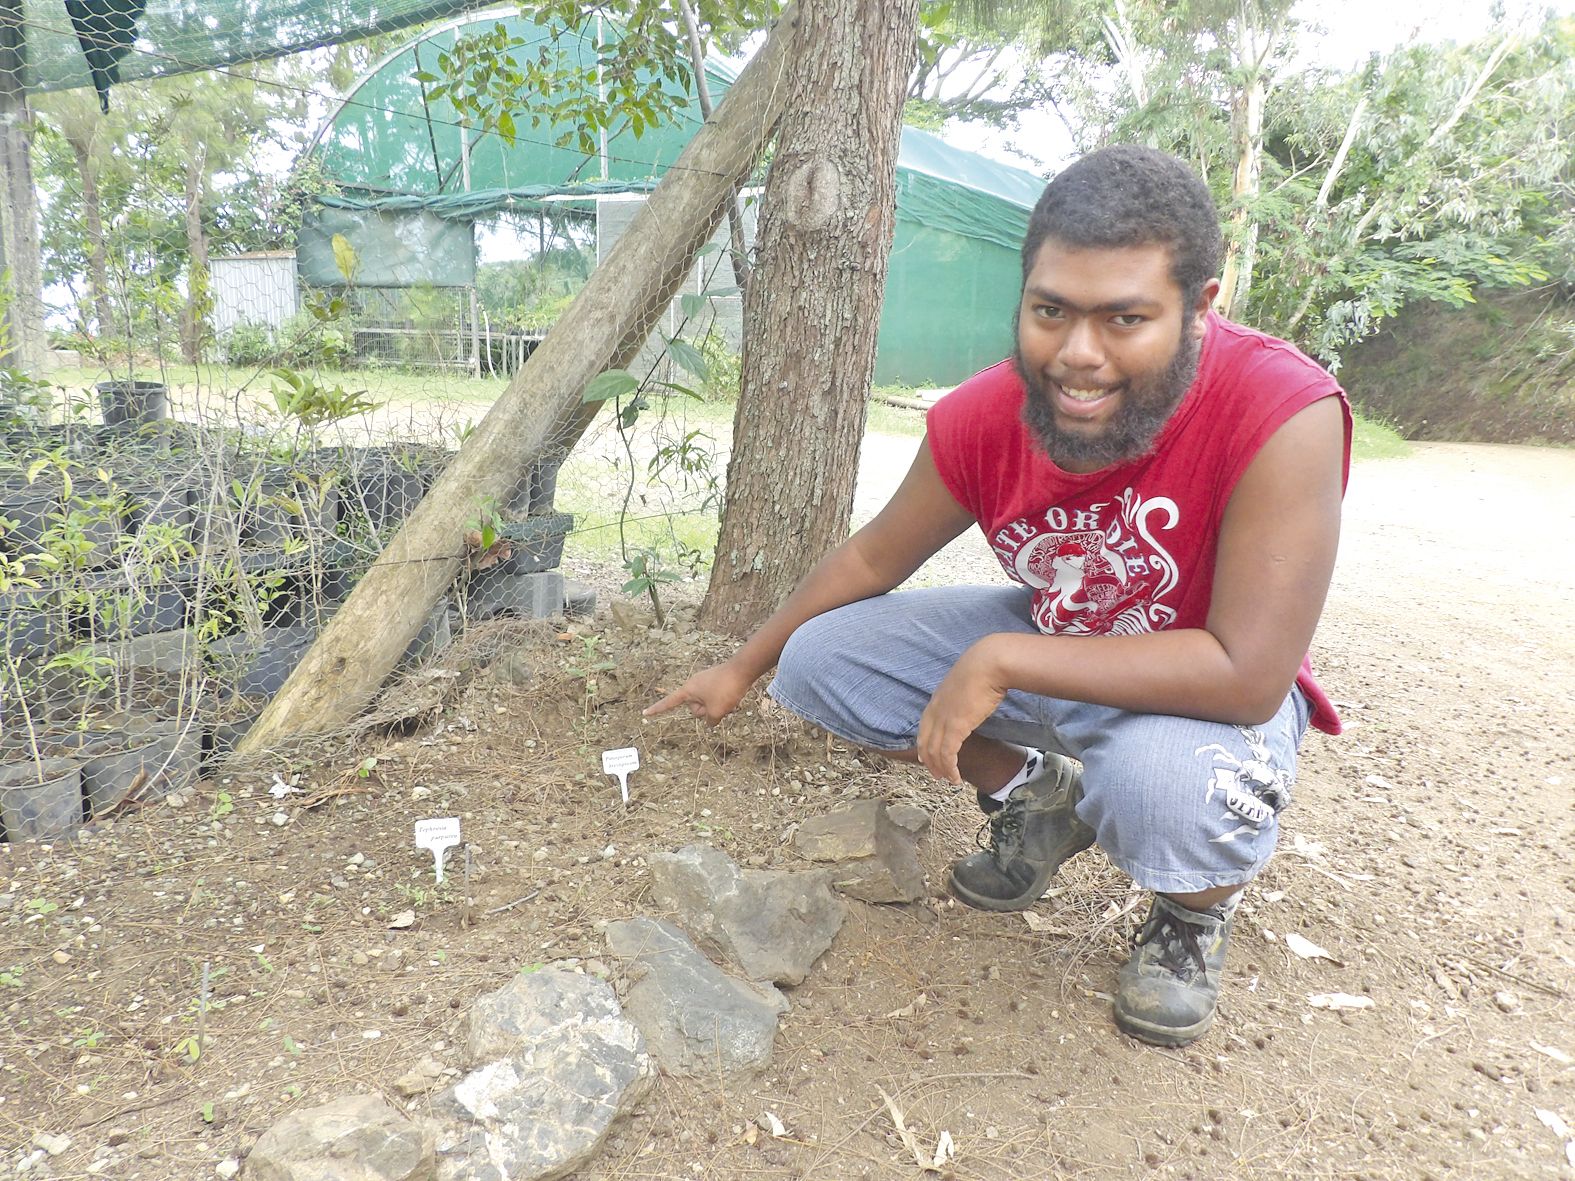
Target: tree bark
column 19, row 245
column 93, row 225
column 541, row 412
column 194, row 317
column 737, row 248
column 813, row 308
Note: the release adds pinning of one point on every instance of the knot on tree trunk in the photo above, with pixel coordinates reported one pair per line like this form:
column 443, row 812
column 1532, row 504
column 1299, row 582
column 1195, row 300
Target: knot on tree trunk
column 813, row 193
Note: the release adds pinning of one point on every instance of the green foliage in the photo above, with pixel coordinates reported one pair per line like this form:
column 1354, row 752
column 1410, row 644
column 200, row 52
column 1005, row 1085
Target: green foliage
column 724, row 369
column 497, row 82
column 313, row 404
column 533, row 293
column 117, row 187
column 646, row 576
column 250, row 344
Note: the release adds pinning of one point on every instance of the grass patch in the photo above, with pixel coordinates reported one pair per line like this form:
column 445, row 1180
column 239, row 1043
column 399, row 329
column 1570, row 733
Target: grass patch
column 448, row 385
column 1371, row 439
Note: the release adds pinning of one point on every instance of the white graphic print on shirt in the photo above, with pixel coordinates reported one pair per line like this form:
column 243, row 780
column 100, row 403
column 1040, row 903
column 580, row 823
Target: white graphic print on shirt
column 1097, row 570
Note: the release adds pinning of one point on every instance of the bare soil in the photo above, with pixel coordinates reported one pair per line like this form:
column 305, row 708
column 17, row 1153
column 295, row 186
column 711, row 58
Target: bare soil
column 1428, row 850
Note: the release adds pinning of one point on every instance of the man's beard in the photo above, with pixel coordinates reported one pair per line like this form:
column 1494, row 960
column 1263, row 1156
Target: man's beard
column 1146, row 406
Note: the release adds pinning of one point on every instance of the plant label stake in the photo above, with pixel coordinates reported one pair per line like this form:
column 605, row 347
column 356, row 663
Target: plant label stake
column 439, row 836
column 620, row 762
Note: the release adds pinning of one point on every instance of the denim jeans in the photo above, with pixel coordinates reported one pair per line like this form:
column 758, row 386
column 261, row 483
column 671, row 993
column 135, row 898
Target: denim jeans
column 1180, row 805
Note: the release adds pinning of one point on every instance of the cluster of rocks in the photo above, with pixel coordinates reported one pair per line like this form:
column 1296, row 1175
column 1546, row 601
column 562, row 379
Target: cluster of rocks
column 552, row 1059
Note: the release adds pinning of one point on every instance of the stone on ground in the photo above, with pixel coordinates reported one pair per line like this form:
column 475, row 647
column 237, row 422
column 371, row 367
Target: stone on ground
column 352, row 1138
column 555, row 1063
column 773, row 924
column 876, row 860
column 695, row 1018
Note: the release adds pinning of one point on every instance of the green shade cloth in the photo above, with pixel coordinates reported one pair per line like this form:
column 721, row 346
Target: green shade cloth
column 399, row 167
column 178, row 36
column 397, row 249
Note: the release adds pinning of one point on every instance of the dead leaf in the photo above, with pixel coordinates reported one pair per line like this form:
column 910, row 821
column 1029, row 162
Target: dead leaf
column 1554, row 1122
column 1339, row 1000
column 1302, row 847
column 1553, row 1052
column 778, row 1129
column 911, row 1010
column 1039, row 923
column 1308, row 950
column 930, row 1163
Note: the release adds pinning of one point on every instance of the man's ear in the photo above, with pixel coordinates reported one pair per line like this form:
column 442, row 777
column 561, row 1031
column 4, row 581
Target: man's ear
column 1200, row 310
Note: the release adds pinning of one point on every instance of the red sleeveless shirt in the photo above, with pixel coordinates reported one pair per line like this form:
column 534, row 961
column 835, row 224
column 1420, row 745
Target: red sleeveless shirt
column 1130, row 548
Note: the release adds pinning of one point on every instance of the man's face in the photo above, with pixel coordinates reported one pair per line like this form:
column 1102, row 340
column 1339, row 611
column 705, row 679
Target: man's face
column 1107, row 349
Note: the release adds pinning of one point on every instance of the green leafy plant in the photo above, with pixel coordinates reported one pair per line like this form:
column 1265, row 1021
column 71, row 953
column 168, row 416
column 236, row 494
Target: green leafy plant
column 313, row 404
column 646, row 575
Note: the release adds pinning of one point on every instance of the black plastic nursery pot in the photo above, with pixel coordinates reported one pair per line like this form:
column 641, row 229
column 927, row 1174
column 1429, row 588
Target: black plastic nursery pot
column 128, row 402
column 256, row 666
column 26, row 508
column 159, row 759
column 32, row 623
column 382, row 490
column 536, row 544
column 40, row 800
column 281, row 504
column 161, row 502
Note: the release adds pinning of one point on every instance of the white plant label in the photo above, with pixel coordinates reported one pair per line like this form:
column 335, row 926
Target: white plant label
column 438, row 835
column 620, row 762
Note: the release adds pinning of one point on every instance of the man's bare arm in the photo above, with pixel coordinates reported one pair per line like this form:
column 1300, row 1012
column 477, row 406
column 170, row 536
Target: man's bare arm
column 1275, row 559
column 920, row 518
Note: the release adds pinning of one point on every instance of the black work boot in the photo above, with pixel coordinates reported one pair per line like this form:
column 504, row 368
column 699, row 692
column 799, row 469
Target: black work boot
column 1167, row 991
column 1030, row 836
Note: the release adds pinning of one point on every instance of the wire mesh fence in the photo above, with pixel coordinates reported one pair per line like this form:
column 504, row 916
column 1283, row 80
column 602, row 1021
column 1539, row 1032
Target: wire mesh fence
column 223, row 440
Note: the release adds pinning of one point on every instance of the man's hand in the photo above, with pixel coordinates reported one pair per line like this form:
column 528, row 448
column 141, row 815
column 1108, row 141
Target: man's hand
column 967, row 696
column 711, row 694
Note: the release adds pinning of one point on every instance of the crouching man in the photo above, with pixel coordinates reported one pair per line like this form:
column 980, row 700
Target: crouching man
column 1163, row 488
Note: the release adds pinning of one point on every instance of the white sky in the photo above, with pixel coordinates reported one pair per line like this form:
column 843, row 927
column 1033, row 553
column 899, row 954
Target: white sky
column 1351, row 29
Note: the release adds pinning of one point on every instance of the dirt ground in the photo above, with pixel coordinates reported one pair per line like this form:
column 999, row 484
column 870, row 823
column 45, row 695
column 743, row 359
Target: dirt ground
column 1428, row 850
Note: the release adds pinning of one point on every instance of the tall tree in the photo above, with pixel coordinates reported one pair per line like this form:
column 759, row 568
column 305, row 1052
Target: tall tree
column 22, row 306
column 813, row 306
column 140, row 195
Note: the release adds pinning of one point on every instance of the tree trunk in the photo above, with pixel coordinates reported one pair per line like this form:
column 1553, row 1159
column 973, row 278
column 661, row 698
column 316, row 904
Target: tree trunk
column 541, row 412
column 93, row 225
column 1236, row 282
column 813, row 307
column 194, row 316
column 23, row 310
column 737, row 247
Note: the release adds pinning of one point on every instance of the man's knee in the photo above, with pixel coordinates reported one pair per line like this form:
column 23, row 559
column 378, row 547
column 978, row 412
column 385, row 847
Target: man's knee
column 1197, row 816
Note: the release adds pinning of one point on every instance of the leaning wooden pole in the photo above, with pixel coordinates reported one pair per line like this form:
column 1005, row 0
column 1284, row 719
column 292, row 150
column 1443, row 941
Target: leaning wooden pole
column 541, row 412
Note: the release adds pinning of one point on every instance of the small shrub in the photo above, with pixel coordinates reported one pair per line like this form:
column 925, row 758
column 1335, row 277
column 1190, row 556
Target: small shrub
column 724, row 369
column 250, row 344
column 306, row 342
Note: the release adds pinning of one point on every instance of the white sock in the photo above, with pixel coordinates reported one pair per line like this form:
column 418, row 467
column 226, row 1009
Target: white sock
column 1030, row 768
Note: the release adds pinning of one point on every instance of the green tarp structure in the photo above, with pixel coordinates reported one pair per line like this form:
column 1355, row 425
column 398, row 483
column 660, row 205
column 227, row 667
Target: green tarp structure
column 66, row 44
column 396, row 159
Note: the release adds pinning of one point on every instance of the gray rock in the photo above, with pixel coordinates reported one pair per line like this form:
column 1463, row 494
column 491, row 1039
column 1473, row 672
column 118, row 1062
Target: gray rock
column 420, row 1078
column 695, row 1017
column 876, row 860
column 910, row 818
column 773, row 925
column 353, row 1138
column 556, row 1063
column 513, row 668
